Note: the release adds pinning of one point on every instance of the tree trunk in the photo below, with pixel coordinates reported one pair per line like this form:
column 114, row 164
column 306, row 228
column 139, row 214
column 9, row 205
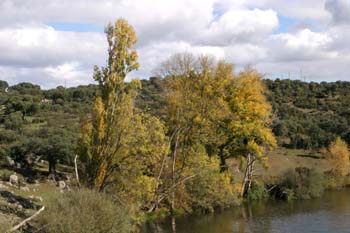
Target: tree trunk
column 173, row 175
column 52, row 170
column 247, row 180
column 76, row 169
column 223, row 165
column 173, row 224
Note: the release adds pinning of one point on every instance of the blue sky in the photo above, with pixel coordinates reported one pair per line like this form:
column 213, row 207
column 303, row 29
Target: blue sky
column 76, row 27
column 286, row 24
column 61, row 40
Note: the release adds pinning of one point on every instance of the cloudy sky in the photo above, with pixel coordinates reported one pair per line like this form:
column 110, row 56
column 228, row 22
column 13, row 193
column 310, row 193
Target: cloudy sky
column 53, row 42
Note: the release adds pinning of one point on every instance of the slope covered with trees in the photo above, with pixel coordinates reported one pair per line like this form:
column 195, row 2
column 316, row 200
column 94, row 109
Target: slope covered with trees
column 306, row 115
column 309, row 115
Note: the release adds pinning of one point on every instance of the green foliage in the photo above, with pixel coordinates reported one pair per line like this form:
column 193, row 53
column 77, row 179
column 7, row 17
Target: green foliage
column 5, row 175
column 56, row 146
column 309, row 115
column 210, row 189
column 26, row 89
column 257, row 192
column 3, row 85
column 84, row 211
column 301, row 183
column 33, row 126
column 13, row 121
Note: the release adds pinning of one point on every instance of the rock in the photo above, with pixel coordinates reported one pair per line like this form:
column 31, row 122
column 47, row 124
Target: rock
column 2, row 186
column 62, row 185
column 19, row 207
column 10, row 161
column 24, row 189
column 13, row 179
column 35, row 198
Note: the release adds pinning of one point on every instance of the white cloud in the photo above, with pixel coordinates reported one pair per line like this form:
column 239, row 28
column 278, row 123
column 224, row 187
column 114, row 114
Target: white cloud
column 241, row 31
column 303, row 45
column 240, row 26
column 296, row 9
column 43, row 46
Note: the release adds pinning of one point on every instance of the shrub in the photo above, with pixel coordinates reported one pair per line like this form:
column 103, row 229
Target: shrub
column 333, row 179
column 301, row 183
column 13, row 121
column 210, row 189
column 84, row 211
column 257, row 192
column 5, row 174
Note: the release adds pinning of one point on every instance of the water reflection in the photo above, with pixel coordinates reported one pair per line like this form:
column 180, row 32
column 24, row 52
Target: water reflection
column 331, row 213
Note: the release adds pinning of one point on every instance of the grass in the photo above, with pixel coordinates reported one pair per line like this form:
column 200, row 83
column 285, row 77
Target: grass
column 280, row 161
column 46, row 189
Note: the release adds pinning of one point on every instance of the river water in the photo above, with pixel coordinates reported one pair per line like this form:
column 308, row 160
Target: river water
column 330, row 213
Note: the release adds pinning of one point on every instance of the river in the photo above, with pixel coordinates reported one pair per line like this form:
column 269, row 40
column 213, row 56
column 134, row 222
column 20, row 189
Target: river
column 330, row 213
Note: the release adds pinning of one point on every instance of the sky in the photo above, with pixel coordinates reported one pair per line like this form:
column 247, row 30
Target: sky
column 57, row 42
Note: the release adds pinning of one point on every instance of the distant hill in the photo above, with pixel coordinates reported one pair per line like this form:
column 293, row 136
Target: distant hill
column 35, row 121
column 309, row 115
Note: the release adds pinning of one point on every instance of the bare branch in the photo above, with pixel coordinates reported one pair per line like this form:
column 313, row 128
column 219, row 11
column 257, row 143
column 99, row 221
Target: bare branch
column 15, row 228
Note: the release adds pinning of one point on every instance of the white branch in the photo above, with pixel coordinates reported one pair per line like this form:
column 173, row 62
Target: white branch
column 76, row 169
column 15, row 228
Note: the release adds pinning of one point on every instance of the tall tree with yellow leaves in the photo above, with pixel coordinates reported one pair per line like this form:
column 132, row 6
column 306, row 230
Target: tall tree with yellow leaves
column 121, row 147
column 248, row 132
column 113, row 108
column 195, row 90
column 338, row 156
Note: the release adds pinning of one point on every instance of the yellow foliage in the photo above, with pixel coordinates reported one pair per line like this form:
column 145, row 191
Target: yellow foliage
column 338, row 156
column 251, row 116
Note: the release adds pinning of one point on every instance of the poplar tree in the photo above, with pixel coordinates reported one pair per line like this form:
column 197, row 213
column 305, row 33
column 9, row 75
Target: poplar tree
column 120, row 147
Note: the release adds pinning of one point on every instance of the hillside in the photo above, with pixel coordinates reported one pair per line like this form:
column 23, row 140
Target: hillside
column 309, row 115
column 39, row 130
column 35, row 121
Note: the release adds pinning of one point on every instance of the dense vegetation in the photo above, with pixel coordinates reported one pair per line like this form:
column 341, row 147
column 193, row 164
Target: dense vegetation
column 310, row 115
column 162, row 146
column 306, row 115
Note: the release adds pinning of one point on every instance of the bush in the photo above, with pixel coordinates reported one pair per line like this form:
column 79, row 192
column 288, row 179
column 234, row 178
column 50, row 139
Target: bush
column 13, row 121
column 211, row 189
column 332, row 180
column 5, row 174
column 84, row 211
column 301, row 183
column 257, row 192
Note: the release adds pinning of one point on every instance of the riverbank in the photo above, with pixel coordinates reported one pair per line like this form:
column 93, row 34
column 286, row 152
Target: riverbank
column 330, row 213
column 281, row 161
column 292, row 176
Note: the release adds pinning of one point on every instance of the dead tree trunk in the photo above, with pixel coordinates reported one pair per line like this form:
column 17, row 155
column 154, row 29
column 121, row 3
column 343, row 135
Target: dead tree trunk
column 52, row 170
column 15, row 228
column 76, row 169
column 173, row 174
column 248, row 176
